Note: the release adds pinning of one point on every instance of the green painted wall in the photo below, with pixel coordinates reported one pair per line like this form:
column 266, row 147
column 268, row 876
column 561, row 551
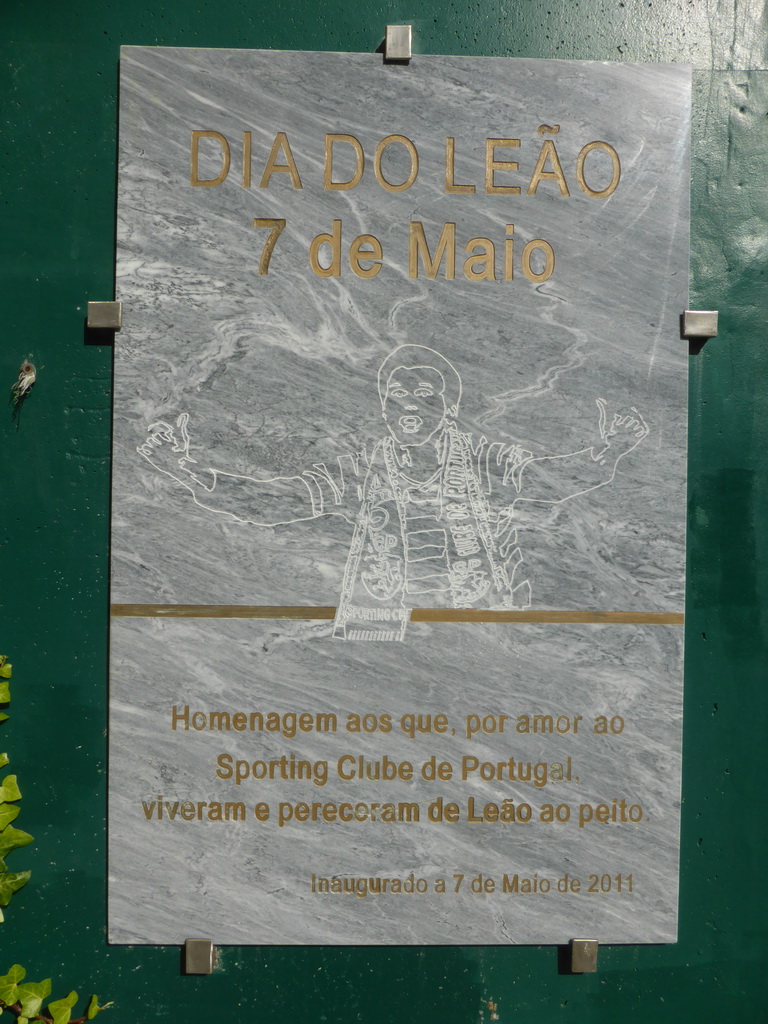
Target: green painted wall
column 58, row 94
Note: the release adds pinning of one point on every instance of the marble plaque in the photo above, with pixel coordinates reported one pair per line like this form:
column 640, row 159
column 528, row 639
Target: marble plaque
column 398, row 499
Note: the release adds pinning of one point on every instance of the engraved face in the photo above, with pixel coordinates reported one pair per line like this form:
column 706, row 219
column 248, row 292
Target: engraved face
column 414, row 404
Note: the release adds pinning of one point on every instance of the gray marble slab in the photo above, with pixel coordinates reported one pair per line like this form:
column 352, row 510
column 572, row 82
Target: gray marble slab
column 528, row 454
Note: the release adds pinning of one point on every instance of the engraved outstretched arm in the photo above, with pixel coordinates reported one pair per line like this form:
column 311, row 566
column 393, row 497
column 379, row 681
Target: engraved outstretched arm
column 554, row 479
column 261, row 502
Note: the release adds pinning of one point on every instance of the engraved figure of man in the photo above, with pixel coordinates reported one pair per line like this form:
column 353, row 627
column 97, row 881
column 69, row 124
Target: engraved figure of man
column 433, row 508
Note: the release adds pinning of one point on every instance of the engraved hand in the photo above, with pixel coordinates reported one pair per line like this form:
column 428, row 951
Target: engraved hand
column 625, row 432
column 167, row 449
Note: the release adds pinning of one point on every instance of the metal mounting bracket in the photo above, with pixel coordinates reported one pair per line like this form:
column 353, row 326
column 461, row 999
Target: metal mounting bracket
column 199, row 956
column 699, row 323
column 105, row 315
column 583, row 956
column 397, row 44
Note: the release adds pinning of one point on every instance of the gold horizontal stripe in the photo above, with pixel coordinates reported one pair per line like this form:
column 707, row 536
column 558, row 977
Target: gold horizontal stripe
column 257, row 611
column 220, row 611
column 476, row 615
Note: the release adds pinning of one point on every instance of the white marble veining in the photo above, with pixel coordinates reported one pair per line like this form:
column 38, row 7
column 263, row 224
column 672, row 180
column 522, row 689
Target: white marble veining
column 278, row 374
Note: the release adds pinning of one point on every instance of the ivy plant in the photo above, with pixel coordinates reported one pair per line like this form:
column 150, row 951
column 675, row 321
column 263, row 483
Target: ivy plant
column 11, row 838
column 24, row 1001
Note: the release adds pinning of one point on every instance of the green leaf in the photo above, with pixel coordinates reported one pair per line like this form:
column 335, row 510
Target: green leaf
column 13, row 839
column 11, row 882
column 7, row 814
column 9, row 993
column 5, row 693
column 6, row 670
column 22, row 1020
column 59, row 1009
column 94, row 1008
column 31, row 996
column 9, row 789
column 3, row 718
column 4, row 760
